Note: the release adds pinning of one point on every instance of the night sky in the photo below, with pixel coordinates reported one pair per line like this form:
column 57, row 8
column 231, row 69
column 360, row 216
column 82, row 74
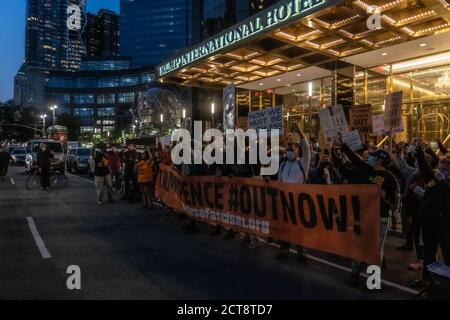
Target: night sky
column 12, row 38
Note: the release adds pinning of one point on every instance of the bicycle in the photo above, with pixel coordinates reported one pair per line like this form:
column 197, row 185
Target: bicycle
column 118, row 186
column 34, row 179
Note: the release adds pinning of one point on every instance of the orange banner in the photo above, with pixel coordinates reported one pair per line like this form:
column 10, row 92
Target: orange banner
column 340, row 219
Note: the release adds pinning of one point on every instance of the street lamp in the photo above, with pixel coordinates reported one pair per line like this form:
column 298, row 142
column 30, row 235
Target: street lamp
column 54, row 113
column 43, row 116
column 212, row 115
column 161, row 117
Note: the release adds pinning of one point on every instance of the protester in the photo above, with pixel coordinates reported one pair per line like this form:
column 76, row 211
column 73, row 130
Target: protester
column 145, row 179
column 5, row 158
column 372, row 171
column 102, row 177
column 130, row 159
column 115, row 166
column 43, row 160
column 295, row 170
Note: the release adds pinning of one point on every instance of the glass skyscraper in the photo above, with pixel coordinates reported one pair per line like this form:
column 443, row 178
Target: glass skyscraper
column 151, row 30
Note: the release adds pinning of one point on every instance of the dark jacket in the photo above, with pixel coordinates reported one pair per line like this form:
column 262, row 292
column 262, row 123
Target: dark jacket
column 44, row 158
column 369, row 175
column 5, row 158
column 101, row 165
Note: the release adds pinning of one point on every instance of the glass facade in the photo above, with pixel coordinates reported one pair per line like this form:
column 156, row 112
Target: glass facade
column 106, row 98
column 126, row 97
column 150, row 31
column 93, row 65
column 106, row 112
column 83, row 99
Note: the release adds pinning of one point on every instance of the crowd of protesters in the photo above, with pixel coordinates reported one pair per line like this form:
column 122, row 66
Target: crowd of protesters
column 414, row 182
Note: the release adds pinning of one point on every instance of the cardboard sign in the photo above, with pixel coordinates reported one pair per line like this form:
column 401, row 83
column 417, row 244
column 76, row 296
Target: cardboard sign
column 340, row 219
column 393, row 111
column 269, row 118
column 353, row 140
column 378, row 125
column 333, row 121
column 360, row 118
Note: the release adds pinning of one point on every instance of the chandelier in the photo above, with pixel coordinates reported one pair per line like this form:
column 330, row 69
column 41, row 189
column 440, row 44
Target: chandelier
column 443, row 82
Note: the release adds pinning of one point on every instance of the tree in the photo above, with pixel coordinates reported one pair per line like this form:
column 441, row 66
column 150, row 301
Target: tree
column 12, row 115
column 72, row 123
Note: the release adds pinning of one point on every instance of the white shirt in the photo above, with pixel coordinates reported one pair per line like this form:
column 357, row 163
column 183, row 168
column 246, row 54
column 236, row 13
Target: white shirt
column 291, row 171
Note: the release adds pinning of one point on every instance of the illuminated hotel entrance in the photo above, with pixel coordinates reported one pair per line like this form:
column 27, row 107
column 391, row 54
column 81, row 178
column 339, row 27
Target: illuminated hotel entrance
column 327, row 55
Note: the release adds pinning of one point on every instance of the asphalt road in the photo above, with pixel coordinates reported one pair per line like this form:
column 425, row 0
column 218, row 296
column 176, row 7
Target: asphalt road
column 125, row 252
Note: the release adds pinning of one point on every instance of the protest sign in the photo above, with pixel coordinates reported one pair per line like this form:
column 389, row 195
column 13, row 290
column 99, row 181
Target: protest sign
column 393, row 112
column 333, row 121
column 378, row 125
column 360, row 118
column 268, row 118
column 353, row 140
column 340, row 219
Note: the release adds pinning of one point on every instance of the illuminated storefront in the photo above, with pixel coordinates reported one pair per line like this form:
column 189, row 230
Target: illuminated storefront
column 310, row 54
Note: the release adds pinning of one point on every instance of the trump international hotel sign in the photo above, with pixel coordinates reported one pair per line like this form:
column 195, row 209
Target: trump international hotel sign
column 275, row 16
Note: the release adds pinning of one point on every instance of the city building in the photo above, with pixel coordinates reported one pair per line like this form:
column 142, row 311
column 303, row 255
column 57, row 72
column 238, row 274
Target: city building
column 260, row 5
column 102, row 34
column 49, row 45
column 153, row 30
column 217, row 15
column 102, row 94
column 20, row 82
column 306, row 55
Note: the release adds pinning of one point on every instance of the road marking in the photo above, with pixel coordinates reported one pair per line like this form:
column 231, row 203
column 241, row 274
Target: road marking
column 329, row 263
column 338, row 266
column 12, row 181
column 83, row 179
column 37, row 238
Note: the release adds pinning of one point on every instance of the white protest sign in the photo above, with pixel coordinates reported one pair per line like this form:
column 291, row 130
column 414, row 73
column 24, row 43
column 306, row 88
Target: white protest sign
column 269, row 118
column 333, row 121
column 378, row 125
column 378, row 128
column 353, row 140
column 393, row 111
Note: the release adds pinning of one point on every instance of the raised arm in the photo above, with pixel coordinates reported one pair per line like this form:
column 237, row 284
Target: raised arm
column 304, row 146
column 424, row 167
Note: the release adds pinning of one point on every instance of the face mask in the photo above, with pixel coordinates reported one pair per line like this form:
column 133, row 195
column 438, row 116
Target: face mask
column 444, row 173
column 290, row 155
column 371, row 160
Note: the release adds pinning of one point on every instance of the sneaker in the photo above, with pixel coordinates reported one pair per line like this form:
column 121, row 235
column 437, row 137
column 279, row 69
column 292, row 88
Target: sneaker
column 254, row 244
column 243, row 239
column 405, row 247
column 416, row 266
column 420, row 284
column 229, row 235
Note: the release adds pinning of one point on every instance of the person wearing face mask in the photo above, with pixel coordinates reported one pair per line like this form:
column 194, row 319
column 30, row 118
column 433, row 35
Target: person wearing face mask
column 435, row 214
column 295, row 170
column 373, row 171
column 44, row 157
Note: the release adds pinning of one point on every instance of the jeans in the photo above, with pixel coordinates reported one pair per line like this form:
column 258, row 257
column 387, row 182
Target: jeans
column 101, row 182
column 45, row 176
column 358, row 266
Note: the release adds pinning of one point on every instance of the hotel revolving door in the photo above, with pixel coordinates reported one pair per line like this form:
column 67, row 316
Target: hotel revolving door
column 429, row 120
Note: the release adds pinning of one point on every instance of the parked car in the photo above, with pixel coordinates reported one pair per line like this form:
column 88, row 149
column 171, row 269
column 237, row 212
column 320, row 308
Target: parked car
column 78, row 159
column 58, row 162
column 19, row 155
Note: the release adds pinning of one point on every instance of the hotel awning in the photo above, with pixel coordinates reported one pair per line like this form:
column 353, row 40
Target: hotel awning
column 295, row 34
